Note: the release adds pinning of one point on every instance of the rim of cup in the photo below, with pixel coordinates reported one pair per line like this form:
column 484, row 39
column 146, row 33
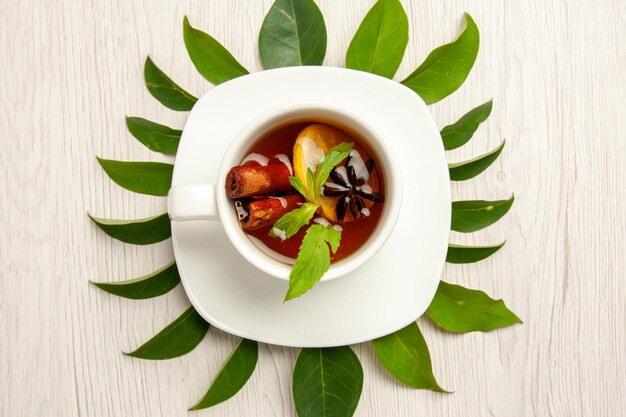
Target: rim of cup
column 336, row 116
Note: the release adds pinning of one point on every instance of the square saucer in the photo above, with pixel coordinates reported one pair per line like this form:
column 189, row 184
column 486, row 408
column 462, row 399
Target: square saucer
column 390, row 290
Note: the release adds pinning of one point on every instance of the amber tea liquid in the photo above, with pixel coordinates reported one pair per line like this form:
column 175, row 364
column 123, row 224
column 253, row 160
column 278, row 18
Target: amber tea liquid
column 355, row 233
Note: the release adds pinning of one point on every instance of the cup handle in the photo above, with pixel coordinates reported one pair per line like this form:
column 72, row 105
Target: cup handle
column 192, row 202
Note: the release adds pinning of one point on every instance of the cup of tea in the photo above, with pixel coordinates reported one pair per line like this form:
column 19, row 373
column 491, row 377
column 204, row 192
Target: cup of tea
column 362, row 197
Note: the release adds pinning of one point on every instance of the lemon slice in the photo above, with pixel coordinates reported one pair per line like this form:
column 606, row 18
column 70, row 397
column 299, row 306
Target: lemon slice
column 311, row 146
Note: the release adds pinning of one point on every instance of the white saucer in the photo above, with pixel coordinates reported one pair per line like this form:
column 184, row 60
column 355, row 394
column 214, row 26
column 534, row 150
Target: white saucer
column 391, row 290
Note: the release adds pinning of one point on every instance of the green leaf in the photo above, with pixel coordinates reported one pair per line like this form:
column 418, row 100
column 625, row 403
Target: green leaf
column 461, row 171
column 460, row 132
column 301, row 188
column 472, row 215
column 327, row 382
column 210, row 58
column 462, row 310
column 157, row 283
column 152, row 178
column 458, row 254
column 333, row 238
column 313, row 259
column 310, row 183
column 156, row 137
column 233, row 376
column 178, row 338
column 166, row 91
column 334, row 156
column 138, row 232
column 405, row 355
column 293, row 34
column 291, row 222
column 446, row 68
column 379, row 44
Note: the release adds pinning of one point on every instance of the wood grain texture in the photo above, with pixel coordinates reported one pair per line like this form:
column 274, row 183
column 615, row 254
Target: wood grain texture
column 71, row 71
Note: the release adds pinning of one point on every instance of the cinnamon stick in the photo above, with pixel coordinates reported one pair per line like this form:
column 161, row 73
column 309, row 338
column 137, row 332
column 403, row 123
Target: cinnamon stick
column 256, row 214
column 252, row 179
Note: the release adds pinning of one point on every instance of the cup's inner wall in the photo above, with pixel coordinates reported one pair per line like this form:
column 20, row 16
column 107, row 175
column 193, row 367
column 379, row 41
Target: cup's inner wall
column 346, row 122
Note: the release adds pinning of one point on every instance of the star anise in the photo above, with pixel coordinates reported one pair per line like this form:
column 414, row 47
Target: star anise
column 352, row 188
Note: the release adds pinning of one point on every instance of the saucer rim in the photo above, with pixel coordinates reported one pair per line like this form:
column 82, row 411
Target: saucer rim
column 277, row 341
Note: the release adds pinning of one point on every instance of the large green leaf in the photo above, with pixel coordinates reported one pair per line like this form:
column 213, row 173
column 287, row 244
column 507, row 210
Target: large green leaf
column 461, row 171
column 446, row 68
column 152, row 178
column 458, row 254
column 210, row 58
column 405, row 355
column 460, row 132
column 471, row 215
column 233, row 376
column 379, row 44
column 462, row 310
column 156, row 137
column 157, row 283
column 293, row 34
column 166, row 91
column 138, row 232
column 177, row 339
column 327, row 382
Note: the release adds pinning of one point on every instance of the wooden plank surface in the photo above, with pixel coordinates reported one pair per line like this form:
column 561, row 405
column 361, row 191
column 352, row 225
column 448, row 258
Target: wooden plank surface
column 71, row 71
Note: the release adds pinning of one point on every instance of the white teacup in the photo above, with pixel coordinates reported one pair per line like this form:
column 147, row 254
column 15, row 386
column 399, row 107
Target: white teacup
column 210, row 202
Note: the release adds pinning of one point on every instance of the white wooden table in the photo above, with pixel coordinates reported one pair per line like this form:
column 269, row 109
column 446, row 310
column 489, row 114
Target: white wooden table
column 70, row 72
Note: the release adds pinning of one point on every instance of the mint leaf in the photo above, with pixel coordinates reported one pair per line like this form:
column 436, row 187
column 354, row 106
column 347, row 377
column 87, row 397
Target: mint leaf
column 333, row 239
column 313, row 259
column 314, row 181
column 332, row 158
column 300, row 187
column 310, row 182
column 290, row 223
